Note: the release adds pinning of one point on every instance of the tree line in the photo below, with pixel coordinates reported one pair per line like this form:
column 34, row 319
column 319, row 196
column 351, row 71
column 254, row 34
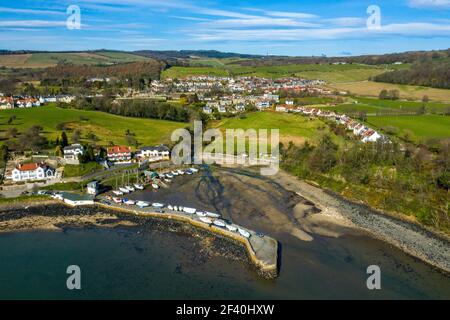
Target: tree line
column 135, row 108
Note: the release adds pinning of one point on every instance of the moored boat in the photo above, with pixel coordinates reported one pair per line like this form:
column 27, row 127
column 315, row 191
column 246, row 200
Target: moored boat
column 129, row 202
column 117, row 200
column 142, row 204
column 139, row 186
column 124, row 190
column 212, row 215
column 231, row 227
column 219, row 223
column 201, row 214
column 180, row 172
column 169, row 207
column 157, row 205
column 206, row 220
column 244, row 233
column 190, row 210
column 167, row 180
column 175, row 173
column 175, row 208
column 169, row 175
column 194, row 170
column 118, row 193
column 155, row 186
column 130, row 188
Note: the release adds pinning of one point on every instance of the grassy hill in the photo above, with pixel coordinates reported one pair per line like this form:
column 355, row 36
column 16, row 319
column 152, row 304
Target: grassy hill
column 292, row 127
column 44, row 59
column 105, row 126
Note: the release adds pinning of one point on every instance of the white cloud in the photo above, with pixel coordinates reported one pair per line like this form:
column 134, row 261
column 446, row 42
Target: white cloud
column 32, row 23
column 429, row 3
column 31, row 11
column 257, row 22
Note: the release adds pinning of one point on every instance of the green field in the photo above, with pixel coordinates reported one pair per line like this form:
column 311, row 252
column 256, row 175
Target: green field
column 423, row 127
column 292, row 127
column 183, row 72
column 42, row 60
column 374, row 106
column 330, row 73
column 105, row 126
column 82, row 169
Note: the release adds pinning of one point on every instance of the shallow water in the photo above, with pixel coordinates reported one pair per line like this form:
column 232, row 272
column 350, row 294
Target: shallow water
column 134, row 263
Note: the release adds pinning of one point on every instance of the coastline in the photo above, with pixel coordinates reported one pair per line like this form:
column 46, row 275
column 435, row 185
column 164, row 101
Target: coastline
column 431, row 247
column 28, row 216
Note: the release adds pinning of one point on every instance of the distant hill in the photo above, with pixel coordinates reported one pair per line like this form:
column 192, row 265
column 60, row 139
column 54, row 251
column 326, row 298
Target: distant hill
column 35, row 59
column 187, row 54
column 431, row 73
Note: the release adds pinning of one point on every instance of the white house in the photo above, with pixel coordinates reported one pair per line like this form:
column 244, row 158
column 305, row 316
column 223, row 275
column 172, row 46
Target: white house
column 158, row 153
column 207, row 110
column 92, row 188
column 71, row 153
column 281, row 108
column 263, row 105
column 222, row 109
column 32, row 171
column 371, row 136
column 290, row 102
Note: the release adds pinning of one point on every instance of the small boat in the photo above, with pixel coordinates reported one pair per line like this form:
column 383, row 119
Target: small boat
column 130, row 188
column 170, row 207
column 117, row 200
column 157, row 205
column 206, row 220
column 181, row 172
column 244, row 233
column 167, row 180
column 142, row 204
column 175, row 208
column 175, row 173
column 231, row 228
column 219, row 223
column 129, row 202
column 189, row 172
column 155, row 186
column 190, row 210
column 124, row 190
column 118, row 193
column 212, row 215
column 180, row 208
column 201, row 214
column 193, row 170
column 139, row 186
column 169, row 175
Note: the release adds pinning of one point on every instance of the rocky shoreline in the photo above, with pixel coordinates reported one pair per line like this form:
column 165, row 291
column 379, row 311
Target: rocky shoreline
column 54, row 216
column 411, row 238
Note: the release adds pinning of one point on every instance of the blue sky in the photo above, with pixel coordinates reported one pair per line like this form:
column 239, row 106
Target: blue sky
column 300, row 27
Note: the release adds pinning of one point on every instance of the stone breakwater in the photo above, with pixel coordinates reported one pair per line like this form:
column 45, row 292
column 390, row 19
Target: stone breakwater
column 262, row 251
column 53, row 215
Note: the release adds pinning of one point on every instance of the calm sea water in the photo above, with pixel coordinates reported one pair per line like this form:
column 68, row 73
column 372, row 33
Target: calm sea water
column 137, row 263
column 131, row 264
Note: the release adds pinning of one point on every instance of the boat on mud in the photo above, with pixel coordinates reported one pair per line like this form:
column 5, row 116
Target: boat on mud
column 170, row 207
column 129, row 202
column 201, row 214
column 155, row 186
column 231, row 228
column 157, row 205
column 189, row 210
column 194, row 170
column 124, row 190
column 130, row 188
column 117, row 200
column 212, row 215
column 139, row 186
column 118, row 193
column 244, row 233
column 219, row 223
column 142, row 204
column 206, row 220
